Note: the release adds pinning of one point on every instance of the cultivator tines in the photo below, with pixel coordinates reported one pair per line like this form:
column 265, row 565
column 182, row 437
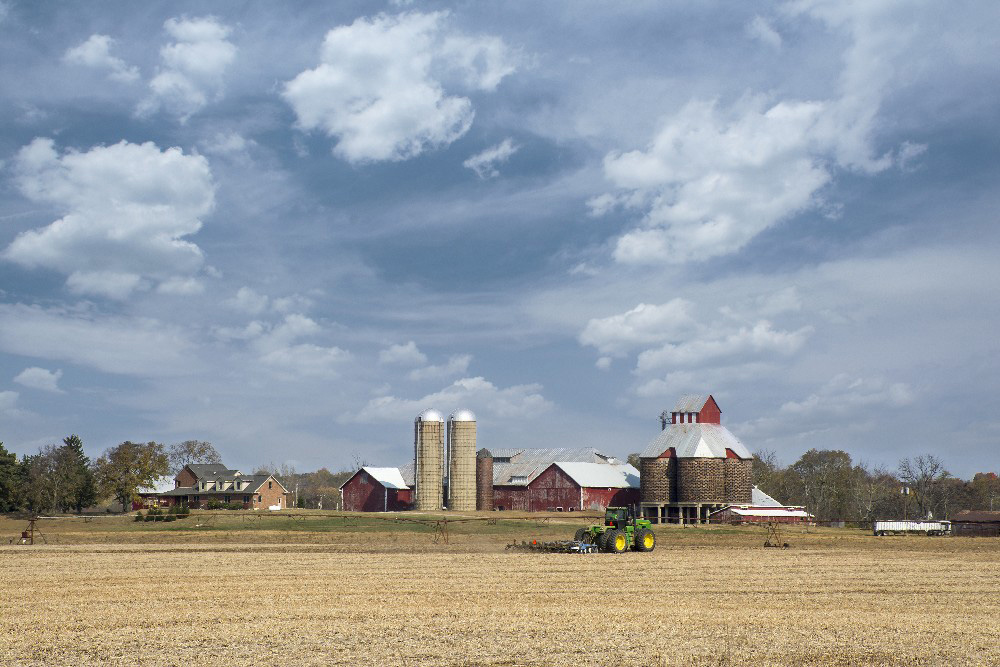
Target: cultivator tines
column 559, row 546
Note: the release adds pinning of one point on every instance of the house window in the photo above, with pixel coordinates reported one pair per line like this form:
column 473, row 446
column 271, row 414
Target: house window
column 246, row 499
column 258, row 498
column 269, row 485
column 227, row 499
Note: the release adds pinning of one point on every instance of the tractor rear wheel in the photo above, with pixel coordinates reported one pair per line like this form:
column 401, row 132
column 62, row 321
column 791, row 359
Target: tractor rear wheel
column 645, row 540
column 582, row 535
column 615, row 541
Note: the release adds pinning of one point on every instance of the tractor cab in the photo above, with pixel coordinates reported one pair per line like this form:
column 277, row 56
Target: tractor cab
column 617, row 517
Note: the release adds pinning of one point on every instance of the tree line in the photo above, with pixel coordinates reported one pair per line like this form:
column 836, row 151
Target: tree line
column 61, row 478
column 834, row 488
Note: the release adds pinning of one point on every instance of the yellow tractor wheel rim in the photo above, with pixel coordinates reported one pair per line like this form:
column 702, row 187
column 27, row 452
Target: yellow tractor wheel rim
column 619, row 543
column 648, row 540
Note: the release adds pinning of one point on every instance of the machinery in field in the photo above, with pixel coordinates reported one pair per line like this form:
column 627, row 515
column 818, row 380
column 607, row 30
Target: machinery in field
column 620, row 532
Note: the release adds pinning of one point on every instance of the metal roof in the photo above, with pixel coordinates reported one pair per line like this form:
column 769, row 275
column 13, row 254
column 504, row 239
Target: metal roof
column 390, row 478
column 767, row 511
column 430, row 415
column 409, row 474
column 760, row 499
column 696, row 441
column 691, row 403
column 462, row 416
column 506, row 452
column 976, row 516
column 598, row 475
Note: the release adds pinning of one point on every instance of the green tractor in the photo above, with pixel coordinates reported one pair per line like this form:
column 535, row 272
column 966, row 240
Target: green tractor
column 621, row 531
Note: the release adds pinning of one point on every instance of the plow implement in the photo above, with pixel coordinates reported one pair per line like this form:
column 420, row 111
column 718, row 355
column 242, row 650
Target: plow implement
column 559, row 546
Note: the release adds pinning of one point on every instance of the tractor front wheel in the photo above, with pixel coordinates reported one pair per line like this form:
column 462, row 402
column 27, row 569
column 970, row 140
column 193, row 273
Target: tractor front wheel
column 645, row 540
column 615, row 541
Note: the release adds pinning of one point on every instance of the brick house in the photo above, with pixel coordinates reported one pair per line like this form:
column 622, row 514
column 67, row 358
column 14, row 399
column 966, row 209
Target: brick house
column 199, row 483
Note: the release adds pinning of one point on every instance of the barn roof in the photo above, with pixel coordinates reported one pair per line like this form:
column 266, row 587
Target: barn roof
column 390, row 478
column 696, row 441
column 601, row 475
column 764, row 512
column 760, row 499
column 691, row 403
column 977, row 516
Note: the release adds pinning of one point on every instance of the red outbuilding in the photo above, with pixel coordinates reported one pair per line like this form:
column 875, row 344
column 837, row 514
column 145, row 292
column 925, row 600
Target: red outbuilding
column 375, row 490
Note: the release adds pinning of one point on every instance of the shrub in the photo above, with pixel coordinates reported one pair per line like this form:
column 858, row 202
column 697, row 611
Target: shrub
column 214, row 504
column 234, row 506
column 138, row 516
column 170, row 517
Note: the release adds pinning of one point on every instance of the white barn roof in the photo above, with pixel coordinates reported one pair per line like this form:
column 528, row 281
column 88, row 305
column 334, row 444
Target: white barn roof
column 760, row 499
column 598, row 475
column 691, row 403
column 390, row 478
column 767, row 512
column 696, row 441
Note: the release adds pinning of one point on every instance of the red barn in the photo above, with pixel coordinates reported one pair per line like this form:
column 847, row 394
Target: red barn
column 764, row 509
column 570, row 486
column 375, row 490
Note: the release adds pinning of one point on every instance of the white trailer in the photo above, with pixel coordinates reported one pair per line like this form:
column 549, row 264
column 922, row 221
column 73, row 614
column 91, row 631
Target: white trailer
column 912, row 528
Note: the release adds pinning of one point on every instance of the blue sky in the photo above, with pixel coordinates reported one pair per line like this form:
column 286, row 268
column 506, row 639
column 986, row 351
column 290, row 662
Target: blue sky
column 288, row 233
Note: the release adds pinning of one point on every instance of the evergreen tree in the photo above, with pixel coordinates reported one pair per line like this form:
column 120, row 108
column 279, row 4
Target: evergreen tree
column 76, row 474
column 10, row 481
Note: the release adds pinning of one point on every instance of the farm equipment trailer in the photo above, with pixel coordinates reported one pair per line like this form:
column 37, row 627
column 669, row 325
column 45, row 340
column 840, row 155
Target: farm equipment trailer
column 912, row 528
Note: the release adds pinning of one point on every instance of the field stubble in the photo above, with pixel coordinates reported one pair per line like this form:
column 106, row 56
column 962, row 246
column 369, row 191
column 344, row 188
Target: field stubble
column 701, row 598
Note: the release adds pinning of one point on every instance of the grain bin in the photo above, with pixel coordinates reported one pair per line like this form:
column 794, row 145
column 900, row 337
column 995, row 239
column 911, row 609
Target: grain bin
column 484, row 480
column 701, row 480
column 738, row 481
column 461, row 461
column 658, row 480
column 428, row 446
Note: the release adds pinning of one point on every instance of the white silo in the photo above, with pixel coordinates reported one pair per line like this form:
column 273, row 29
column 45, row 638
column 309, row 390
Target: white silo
column 428, row 451
column 462, row 461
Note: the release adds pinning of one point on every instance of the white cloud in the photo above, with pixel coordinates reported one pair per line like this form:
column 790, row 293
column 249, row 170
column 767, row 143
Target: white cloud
column 407, row 354
column 8, row 403
column 121, row 345
column 249, row 301
column 192, row 67
column 761, row 338
column 762, row 31
column 478, row 394
column 280, row 350
column 227, row 143
column 485, row 163
column 457, row 365
column 40, row 378
column 712, row 179
column 127, row 208
column 845, row 394
column 96, row 53
column 644, row 324
column 379, row 89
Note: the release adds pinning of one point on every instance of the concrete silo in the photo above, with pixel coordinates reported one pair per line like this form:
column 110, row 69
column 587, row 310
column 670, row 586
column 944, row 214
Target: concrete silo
column 462, row 461
column 428, row 446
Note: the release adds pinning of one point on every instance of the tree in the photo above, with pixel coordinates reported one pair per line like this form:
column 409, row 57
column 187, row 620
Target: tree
column 74, row 472
column 38, row 481
column 924, row 476
column 191, row 451
column 986, row 490
column 633, row 460
column 122, row 470
column 874, row 491
column 821, row 480
column 10, row 481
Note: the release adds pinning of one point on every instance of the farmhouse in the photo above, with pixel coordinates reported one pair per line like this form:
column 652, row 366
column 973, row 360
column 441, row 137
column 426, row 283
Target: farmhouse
column 376, row 490
column 976, row 523
column 763, row 509
column 196, row 485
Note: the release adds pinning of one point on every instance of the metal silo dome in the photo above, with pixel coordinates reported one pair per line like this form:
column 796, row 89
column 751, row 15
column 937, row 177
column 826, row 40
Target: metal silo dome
column 462, row 416
column 430, row 415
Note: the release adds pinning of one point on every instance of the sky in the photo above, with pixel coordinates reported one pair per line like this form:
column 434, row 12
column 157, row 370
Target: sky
column 287, row 229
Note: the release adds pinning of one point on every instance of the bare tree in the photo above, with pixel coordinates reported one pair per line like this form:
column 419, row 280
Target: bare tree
column 191, row 451
column 924, row 475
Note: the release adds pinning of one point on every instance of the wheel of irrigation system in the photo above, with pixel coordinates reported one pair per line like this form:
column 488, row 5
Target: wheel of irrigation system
column 615, row 541
column 645, row 540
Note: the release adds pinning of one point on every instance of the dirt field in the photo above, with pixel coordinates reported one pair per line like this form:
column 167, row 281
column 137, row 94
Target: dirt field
column 357, row 595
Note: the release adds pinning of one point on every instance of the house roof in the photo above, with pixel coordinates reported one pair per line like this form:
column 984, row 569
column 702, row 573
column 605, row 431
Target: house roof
column 202, row 470
column 696, row 441
column 390, row 478
column 760, row 499
column 598, row 475
column 691, row 403
column 253, row 486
